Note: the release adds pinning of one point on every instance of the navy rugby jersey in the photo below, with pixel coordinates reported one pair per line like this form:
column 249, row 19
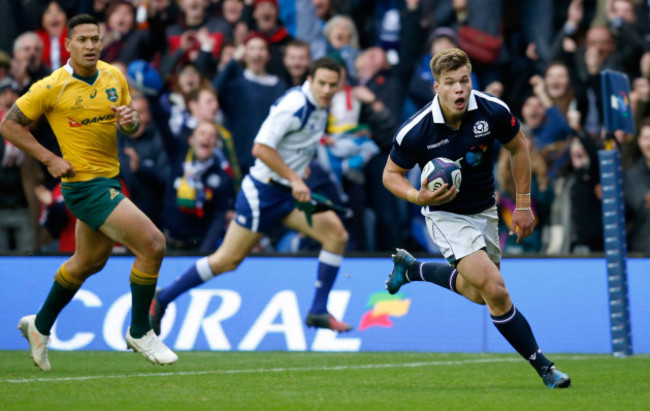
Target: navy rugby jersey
column 425, row 136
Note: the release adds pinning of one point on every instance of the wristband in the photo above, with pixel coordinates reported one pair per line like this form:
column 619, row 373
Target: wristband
column 522, row 201
column 522, row 209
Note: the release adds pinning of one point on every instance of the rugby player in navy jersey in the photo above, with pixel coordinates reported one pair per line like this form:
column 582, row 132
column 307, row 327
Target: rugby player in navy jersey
column 462, row 124
column 283, row 147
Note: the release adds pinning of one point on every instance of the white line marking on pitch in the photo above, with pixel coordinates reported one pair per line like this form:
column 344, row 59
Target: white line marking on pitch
column 268, row 370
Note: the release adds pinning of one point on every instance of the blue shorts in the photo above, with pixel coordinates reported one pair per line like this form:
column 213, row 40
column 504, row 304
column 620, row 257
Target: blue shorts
column 259, row 206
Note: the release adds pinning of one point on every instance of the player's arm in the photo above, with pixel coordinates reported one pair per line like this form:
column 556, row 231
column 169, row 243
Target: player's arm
column 394, row 179
column 127, row 119
column 523, row 222
column 14, row 128
column 272, row 158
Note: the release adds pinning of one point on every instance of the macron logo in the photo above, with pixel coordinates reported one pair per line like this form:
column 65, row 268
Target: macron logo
column 438, row 144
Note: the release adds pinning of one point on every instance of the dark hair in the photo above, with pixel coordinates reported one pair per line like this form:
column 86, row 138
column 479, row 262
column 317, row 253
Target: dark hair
column 326, row 63
column 47, row 6
column 81, row 19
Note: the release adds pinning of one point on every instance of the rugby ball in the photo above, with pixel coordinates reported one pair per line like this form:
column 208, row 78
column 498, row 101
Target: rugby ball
column 441, row 171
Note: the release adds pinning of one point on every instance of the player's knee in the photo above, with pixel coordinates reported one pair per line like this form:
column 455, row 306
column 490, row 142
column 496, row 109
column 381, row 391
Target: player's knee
column 90, row 266
column 232, row 263
column 496, row 293
column 155, row 246
column 341, row 236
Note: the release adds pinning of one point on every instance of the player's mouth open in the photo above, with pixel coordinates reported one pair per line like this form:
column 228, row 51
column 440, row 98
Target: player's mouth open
column 460, row 102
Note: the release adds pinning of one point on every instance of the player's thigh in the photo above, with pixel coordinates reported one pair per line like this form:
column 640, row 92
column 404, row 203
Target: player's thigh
column 478, row 270
column 91, row 252
column 128, row 225
column 236, row 245
column 326, row 226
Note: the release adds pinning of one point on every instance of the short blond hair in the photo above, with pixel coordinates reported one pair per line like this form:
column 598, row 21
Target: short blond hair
column 449, row 60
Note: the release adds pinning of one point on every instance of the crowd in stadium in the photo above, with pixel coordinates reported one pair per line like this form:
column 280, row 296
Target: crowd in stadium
column 228, row 61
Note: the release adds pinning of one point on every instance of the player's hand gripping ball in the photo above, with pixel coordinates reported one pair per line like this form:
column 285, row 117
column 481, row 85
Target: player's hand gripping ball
column 440, row 171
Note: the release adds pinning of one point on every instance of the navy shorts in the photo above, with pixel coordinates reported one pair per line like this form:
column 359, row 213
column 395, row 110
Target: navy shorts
column 259, row 206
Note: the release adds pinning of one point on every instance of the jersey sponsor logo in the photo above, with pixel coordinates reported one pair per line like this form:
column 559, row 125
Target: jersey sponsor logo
column 113, row 193
column 438, row 144
column 73, row 123
column 78, row 104
column 475, row 155
column 481, row 128
column 97, row 119
column 111, row 93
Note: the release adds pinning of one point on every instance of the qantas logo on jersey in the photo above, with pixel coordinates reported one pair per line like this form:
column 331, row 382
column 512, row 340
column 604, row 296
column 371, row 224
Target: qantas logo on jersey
column 86, row 121
column 481, row 128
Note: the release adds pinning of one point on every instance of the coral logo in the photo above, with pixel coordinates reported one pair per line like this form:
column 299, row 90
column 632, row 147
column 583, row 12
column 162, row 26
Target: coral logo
column 620, row 103
column 381, row 306
column 475, row 155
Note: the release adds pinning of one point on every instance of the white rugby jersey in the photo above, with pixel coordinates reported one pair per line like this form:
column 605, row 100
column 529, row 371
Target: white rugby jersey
column 294, row 127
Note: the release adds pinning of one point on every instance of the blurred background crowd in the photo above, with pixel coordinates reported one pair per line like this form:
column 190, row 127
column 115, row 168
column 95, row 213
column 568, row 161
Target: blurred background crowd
column 204, row 74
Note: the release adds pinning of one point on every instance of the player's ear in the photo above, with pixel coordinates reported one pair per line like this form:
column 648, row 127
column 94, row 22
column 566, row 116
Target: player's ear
column 435, row 86
column 66, row 43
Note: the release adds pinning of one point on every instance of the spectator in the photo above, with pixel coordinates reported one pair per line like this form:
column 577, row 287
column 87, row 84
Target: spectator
column 547, row 126
column 143, row 163
column 5, row 65
column 16, row 234
column 199, row 194
column 123, row 41
column 313, row 16
column 564, row 95
column 342, row 40
column 188, row 80
column 637, row 195
column 247, row 89
column 204, row 107
column 296, row 61
column 27, row 66
column 53, row 33
column 265, row 20
column 421, row 83
column 576, row 217
column 196, row 36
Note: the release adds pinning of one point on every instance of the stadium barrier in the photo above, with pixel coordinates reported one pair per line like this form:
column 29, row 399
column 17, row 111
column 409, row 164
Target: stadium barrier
column 262, row 306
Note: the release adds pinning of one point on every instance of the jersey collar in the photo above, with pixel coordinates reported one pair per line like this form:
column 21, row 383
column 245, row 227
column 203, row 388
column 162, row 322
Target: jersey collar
column 306, row 89
column 436, row 111
column 88, row 80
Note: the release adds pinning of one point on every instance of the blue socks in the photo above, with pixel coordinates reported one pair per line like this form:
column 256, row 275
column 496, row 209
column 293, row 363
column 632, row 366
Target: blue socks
column 194, row 276
column 516, row 330
column 328, row 268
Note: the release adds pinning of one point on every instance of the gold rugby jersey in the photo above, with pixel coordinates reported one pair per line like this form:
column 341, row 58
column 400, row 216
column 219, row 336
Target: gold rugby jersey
column 79, row 112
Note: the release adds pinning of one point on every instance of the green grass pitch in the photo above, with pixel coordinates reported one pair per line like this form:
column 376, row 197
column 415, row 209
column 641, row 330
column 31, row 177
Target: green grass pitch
column 319, row 381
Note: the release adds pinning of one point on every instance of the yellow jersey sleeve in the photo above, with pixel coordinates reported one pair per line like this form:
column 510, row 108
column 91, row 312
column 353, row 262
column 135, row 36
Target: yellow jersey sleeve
column 126, row 96
column 37, row 101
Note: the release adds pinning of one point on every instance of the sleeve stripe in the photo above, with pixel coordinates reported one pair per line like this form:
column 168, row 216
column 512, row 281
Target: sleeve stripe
column 492, row 99
column 404, row 130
